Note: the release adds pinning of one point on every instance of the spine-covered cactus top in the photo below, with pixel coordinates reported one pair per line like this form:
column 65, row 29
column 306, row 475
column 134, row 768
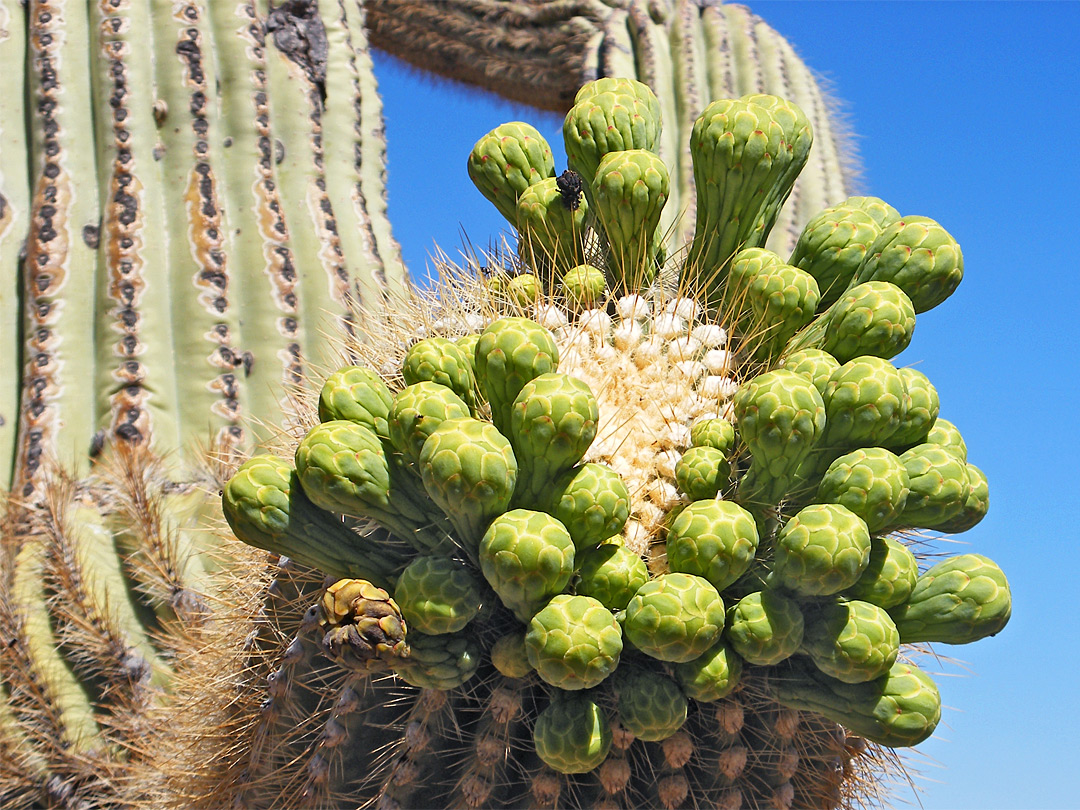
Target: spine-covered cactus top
column 616, row 545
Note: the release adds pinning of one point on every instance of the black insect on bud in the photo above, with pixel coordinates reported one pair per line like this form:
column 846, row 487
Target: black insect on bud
column 569, row 185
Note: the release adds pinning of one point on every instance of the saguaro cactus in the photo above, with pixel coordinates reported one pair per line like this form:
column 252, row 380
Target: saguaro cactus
column 192, row 200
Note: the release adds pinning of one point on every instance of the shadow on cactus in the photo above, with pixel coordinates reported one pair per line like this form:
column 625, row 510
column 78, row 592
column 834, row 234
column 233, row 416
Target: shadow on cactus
column 638, row 530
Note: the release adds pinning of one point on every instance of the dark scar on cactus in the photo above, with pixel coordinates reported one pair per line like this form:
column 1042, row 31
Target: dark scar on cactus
column 569, row 185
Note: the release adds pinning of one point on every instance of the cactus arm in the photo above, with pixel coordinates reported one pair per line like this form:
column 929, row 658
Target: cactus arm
column 387, row 264
column 264, row 267
column 64, row 704
column 341, row 144
column 204, row 307
column 60, row 265
column 528, row 52
column 135, row 374
column 14, row 209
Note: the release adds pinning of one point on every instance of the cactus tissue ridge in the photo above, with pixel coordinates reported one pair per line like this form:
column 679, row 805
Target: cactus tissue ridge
column 316, row 728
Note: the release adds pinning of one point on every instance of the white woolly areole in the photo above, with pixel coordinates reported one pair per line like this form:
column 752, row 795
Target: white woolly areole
column 718, row 361
column 633, row 307
column 627, row 335
column 711, row 335
column 551, row 316
column 686, row 308
column 667, row 325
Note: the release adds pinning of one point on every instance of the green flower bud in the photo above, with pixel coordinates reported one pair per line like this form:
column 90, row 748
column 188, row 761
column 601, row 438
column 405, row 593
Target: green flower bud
column 583, row 286
column 822, row 550
column 574, row 642
column 591, row 501
column 853, row 642
column 765, row 627
column 890, row 575
column 652, row 707
column 702, row 472
column 921, row 411
column 918, row 256
column 552, row 230
column 711, row 676
column 511, row 352
column 415, row 413
column 439, row 662
column 832, row 247
column 945, row 434
column 958, row 601
column 816, row 364
column 507, row 161
column 713, row 539
column 469, row 471
column 871, row 482
column 527, row 557
column 675, row 617
column 571, row 734
column 611, row 574
column 976, row 503
column 441, row 361
column 716, row 432
column 357, row 394
column 509, row 656
column 437, row 595
column 939, row 487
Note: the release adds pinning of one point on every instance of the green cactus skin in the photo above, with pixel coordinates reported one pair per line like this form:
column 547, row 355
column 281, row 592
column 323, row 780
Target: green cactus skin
column 343, row 467
column 552, row 230
column 357, row 394
column 416, row 411
column 765, row 627
column 553, row 421
column 527, row 557
column 611, row 574
column 439, row 662
column 832, row 246
column 511, row 352
column 702, row 472
column 917, row 255
column 507, row 161
column 266, row 507
column 890, row 575
column 437, row 595
column 674, row 617
column 583, row 286
column 960, row 600
column 821, row 550
column 871, row 482
column 817, row 364
column 711, row 676
column 901, row 708
column 629, row 191
column 621, row 119
column 652, row 707
column 717, row 433
column 573, row 642
column 976, row 503
column 783, row 299
column 441, row 361
column 921, row 412
column 591, row 501
column 864, row 404
column 851, row 641
column 747, row 153
column 469, row 471
column 939, row 486
column 947, row 435
column 572, row 735
column 883, row 213
column 780, row 416
column 713, row 539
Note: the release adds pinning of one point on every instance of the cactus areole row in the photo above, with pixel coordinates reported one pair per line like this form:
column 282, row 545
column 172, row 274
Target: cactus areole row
column 767, row 555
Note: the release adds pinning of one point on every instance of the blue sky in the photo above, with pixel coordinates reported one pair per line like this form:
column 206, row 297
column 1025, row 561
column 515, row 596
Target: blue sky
column 966, row 112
